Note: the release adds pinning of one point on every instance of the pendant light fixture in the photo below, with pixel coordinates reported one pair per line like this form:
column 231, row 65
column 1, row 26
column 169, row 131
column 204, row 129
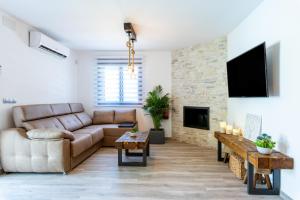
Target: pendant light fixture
column 130, row 45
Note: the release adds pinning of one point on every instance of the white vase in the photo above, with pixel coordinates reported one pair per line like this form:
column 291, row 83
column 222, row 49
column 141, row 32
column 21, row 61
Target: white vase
column 265, row 151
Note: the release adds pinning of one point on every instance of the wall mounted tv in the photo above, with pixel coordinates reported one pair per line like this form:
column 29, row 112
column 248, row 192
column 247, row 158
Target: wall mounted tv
column 247, row 74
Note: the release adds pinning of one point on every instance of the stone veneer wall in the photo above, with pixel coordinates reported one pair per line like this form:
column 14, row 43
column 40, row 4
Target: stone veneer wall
column 199, row 79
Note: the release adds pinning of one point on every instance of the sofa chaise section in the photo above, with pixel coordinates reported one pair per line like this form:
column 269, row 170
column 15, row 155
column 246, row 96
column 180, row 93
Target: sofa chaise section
column 112, row 122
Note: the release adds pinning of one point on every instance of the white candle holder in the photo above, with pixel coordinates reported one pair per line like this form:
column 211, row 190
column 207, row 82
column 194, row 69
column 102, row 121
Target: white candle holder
column 229, row 129
column 223, row 127
column 236, row 131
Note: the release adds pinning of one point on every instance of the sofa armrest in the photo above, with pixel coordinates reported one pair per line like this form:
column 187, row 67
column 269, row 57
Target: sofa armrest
column 20, row 154
column 127, row 125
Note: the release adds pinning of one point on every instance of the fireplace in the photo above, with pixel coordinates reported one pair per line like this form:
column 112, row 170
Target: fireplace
column 196, row 117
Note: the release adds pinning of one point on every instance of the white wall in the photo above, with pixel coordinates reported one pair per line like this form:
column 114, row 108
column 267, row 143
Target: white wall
column 28, row 75
column 156, row 70
column 277, row 23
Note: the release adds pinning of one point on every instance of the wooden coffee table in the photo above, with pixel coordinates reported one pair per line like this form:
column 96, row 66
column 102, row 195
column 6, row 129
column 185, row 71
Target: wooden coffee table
column 141, row 141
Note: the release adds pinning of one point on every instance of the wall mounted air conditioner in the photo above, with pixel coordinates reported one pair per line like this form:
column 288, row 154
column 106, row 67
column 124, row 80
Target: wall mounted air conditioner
column 41, row 41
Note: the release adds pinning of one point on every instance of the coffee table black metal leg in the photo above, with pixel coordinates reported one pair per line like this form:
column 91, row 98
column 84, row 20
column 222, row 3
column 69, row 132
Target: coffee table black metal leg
column 220, row 158
column 148, row 149
column 145, row 152
column 120, row 157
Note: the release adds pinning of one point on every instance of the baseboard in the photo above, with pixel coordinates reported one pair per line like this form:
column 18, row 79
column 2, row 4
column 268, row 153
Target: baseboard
column 284, row 196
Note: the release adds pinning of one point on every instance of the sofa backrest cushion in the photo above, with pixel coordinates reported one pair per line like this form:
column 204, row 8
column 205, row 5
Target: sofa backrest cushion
column 46, row 123
column 76, row 107
column 125, row 116
column 103, row 117
column 84, row 118
column 70, row 122
column 41, row 111
column 31, row 112
column 61, row 108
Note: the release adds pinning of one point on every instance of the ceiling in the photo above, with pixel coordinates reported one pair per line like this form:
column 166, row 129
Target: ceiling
column 159, row 24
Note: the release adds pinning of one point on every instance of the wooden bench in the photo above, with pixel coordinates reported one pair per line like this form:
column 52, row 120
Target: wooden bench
column 247, row 150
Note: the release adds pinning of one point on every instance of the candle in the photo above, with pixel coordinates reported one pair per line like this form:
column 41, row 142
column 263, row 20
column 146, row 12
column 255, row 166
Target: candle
column 236, row 131
column 229, row 129
column 223, row 127
column 241, row 134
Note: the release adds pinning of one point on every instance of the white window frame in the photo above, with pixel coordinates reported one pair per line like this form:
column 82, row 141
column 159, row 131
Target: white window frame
column 122, row 61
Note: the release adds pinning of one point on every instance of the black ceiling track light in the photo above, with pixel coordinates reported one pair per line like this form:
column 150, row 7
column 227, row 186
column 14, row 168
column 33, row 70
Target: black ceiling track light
column 128, row 28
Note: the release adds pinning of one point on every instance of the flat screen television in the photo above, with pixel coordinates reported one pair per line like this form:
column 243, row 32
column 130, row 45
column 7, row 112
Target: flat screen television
column 247, row 74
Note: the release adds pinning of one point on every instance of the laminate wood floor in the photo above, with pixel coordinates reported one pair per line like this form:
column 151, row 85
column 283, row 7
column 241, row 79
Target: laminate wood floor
column 175, row 171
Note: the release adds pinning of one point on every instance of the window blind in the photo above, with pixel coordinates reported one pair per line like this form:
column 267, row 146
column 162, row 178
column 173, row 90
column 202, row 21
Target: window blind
column 114, row 84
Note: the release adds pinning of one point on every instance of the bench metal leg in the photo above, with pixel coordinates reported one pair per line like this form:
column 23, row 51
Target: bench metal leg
column 220, row 158
column 263, row 191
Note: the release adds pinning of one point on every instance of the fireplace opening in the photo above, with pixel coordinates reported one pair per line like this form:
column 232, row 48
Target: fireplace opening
column 196, row 117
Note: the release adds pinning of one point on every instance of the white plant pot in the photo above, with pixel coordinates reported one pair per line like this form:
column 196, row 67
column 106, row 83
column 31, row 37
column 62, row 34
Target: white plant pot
column 265, row 151
column 131, row 134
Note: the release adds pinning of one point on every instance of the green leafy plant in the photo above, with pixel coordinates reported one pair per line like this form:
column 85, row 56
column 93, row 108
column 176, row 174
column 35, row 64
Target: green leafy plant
column 265, row 141
column 156, row 104
column 134, row 130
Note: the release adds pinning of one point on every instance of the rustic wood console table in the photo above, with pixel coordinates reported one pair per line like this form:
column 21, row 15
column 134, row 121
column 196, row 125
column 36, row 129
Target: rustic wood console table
column 247, row 150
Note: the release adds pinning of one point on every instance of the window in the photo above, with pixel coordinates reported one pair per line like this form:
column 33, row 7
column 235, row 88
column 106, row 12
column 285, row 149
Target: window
column 114, row 84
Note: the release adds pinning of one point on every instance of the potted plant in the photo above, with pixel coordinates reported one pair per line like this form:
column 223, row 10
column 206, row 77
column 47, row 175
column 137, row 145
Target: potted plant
column 156, row 105
column 264, row 144
column 133, row 132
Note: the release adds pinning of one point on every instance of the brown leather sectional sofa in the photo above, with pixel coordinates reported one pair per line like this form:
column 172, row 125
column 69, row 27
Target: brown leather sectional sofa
column 19, row 153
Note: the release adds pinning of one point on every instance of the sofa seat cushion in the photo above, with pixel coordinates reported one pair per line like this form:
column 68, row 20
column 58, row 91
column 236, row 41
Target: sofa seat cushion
column 81, row 143
column 115, row 132
column 125, row 116
column 46, row 123
column 103, row 117
column 84, row 118
column 70, row 122
column 110, row 129
column 96, row 133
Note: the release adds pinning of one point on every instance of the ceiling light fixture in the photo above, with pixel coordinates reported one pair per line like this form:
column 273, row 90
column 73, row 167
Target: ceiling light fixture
column 128, row 28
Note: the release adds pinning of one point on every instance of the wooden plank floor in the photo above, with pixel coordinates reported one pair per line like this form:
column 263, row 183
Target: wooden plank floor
column 175, row 171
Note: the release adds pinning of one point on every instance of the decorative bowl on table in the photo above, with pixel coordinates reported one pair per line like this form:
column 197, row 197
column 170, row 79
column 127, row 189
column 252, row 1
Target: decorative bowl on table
column 264, row 144
column 132, row 134
column 265, row 151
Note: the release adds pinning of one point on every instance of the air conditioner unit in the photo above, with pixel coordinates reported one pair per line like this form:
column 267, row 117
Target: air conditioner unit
column 41, row 41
